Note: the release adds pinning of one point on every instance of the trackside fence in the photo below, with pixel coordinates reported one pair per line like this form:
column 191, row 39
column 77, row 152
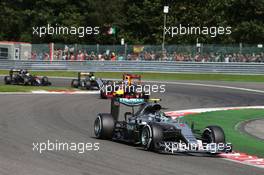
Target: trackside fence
column 136, row 66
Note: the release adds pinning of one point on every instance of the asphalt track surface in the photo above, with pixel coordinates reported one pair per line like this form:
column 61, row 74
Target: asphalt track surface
column 25, row 119
column 255, row 128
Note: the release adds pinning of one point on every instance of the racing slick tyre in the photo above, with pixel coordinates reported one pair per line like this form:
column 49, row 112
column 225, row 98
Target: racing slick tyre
column 75, row 83
column 26, row 81
column 45, row 81
column 88, row 85
column 151, row 136
column 34, row 83
column 7, row 80
column 83, row 84
column 103, row 95
column 104, row 125
column 213, row 134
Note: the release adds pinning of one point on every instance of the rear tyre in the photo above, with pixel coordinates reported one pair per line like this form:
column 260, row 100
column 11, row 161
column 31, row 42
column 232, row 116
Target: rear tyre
column 75, row 83
column 88, row 85
column 151, row 136
column 104, row 125
column 83, row 84
column 102, row 95
column 213, row 134
column 7, row 80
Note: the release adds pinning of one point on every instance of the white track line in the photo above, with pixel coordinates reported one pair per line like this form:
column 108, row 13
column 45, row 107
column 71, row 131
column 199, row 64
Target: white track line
column 234, row 157
column 44, row 92
column 209, row 85
column 64, row 92
column 186, row 83
column 175, row 83
column 201, row 110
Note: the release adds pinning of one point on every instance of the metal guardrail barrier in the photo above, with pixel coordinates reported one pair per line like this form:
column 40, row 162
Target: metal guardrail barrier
column 136, row 66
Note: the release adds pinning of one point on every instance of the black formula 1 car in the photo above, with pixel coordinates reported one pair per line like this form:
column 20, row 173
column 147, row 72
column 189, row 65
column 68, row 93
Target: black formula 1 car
column 23, row 77
column 87, row 80
column 155, row 131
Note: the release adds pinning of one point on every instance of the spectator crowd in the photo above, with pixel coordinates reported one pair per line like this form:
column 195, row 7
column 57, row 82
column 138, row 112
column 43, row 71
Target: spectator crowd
column 83, row 55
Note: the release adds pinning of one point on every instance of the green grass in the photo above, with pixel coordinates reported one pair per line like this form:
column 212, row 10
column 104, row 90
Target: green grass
column 228, row 121
column 145, row 76
column 18, row 88
column 158, row 76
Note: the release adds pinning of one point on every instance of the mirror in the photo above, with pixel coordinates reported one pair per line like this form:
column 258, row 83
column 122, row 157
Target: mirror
column 127, row 115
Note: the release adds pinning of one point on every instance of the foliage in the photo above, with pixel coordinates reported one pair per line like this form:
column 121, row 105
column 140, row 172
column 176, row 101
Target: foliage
column 137, row 21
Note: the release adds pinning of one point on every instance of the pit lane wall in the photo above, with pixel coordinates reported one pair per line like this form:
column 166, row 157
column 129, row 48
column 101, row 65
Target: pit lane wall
column 136, row 66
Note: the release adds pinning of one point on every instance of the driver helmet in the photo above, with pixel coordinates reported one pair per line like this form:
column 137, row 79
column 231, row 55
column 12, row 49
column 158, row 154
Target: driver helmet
column 126, row 81
column 23, row 71
column 92, row 77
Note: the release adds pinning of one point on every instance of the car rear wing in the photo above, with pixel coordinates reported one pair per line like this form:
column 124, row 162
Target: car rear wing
column 136, row 101
column 84, row 73
column 12, row 71
column 15, row 70
column 132, row 76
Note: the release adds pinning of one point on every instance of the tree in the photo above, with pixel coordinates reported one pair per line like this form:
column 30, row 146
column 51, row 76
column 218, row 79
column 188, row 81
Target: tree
column 138, row 21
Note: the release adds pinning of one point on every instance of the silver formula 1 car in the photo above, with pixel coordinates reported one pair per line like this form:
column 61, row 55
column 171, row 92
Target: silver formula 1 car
column 154, row 130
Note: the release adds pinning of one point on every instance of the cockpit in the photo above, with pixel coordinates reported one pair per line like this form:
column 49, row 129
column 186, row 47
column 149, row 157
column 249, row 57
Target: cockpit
column 152, row 112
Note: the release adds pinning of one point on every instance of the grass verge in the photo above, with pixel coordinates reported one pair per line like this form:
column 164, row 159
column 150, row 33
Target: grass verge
column 228, row 121
column 18, row 88
column 158, row 76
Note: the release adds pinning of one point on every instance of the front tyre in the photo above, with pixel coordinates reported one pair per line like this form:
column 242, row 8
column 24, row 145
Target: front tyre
column 104, row 125
column 26, row 81
column 7, row 80
column 45, row 81
column 151, row 136
column 75, row 83
column 213, row 134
